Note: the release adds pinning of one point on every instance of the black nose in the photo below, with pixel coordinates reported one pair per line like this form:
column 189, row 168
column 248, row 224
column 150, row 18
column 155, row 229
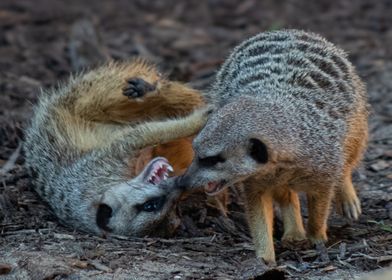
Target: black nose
column 182, row 182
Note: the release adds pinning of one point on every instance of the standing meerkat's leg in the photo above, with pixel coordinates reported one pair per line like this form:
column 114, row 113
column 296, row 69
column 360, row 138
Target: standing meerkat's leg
column 260, row 213
column 318, row 205
column 291, row 214
column 347, row 201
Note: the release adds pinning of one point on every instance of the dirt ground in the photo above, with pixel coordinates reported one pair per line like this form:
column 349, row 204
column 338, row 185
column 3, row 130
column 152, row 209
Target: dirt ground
column 189, row 40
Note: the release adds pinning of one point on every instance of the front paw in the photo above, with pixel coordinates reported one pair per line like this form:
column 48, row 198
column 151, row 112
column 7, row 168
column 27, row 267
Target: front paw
column 349, row 207
column 266, row 256
column 205, row 112
column 137, row 88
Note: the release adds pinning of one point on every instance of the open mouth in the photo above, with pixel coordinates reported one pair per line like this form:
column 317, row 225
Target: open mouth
column 212, row 188
column 158, row 170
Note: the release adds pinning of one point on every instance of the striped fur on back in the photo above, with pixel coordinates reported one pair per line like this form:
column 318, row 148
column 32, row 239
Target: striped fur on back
column 289, row 62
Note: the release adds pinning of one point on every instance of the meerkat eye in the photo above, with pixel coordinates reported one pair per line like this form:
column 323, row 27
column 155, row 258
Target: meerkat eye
column 211, row 161
column 152, row 205
column 258, row 150
column 104, row 213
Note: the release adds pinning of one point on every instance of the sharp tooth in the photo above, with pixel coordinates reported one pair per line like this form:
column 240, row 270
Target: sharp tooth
column 165, row 176
column 170, row 168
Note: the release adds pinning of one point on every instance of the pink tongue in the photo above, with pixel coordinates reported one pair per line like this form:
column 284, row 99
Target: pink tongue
column 161, row 171
column 211, row 186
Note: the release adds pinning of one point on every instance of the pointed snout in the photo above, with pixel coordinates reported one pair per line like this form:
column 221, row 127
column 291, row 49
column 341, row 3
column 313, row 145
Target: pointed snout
column 191, row 179
column 183, row 182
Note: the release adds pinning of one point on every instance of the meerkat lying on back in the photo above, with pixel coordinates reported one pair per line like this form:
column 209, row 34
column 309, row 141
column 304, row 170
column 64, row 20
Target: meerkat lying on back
column 291, row 116
column 87, row 143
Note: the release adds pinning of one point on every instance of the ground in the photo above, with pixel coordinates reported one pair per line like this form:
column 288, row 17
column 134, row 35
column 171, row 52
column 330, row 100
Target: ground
column 189, row 40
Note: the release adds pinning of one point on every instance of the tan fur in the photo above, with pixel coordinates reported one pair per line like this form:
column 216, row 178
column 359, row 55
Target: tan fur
column 260, row 213
column 90, row 141
column 101, row 112
column 83, row 132
column 179, row 153
column 291, row 215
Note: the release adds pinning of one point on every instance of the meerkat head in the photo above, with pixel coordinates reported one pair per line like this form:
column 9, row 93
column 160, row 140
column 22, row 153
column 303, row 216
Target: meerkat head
column 136, row 207
column 230, row 148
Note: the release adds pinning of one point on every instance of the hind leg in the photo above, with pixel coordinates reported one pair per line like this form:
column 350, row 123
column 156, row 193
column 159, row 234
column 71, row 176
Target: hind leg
column 291, row 214
column 318, row 208
column 129, row 93
column 347, row 201
column 141, row 101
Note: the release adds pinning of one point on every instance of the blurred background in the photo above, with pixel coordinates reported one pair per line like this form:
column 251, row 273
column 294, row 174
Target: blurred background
column 189, row 39
column 40, row 46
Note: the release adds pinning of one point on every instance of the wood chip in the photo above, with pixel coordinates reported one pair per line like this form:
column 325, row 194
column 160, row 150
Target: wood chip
column 388, row 153
column 384, row 259
column 63, row 236
column 10, row 164
column 342, row 250
column 99, row 266
column 379, row 165
column 5, row 268
column 79, row 264
column 328, row 268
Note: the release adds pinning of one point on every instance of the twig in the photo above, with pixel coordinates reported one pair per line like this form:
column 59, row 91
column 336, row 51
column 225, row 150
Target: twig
column 26, row 231
column 164, row 241
column 99, row 266
column 365, row 256
column 342, row 250
column 10, row 164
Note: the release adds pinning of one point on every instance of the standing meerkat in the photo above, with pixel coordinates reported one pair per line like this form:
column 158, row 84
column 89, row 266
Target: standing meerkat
column 291, row 116
column 88, row 144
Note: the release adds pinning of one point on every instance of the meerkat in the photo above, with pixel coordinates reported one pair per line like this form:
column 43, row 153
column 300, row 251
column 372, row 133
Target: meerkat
column 94, row 147
column 291, row 116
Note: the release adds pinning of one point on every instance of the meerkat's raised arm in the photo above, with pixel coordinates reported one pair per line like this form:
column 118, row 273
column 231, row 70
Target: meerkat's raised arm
column 158, row 132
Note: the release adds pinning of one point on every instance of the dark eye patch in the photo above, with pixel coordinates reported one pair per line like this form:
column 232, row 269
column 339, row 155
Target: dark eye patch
column 211, row 161
column 104, row 213
column 152, row 205
column 258, row 150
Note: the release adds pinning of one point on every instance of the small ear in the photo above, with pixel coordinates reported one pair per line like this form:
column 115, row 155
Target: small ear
column 104, row 213
column 258, row 150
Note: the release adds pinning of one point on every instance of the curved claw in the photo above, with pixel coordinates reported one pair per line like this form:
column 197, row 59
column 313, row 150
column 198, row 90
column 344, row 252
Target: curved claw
column 352, row 209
